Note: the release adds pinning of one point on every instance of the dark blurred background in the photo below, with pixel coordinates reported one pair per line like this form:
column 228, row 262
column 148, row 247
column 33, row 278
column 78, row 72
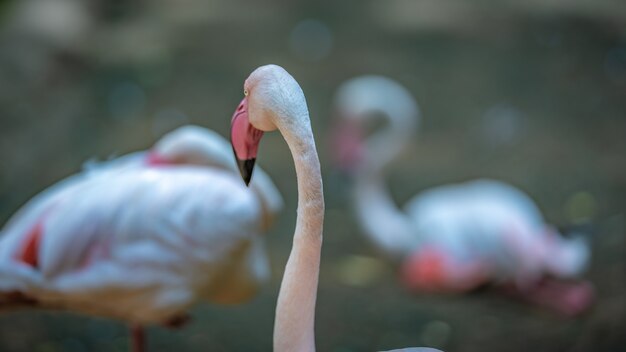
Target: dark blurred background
column 530, row 92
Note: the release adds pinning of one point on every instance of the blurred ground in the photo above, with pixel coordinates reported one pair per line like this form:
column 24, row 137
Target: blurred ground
column 532, row 93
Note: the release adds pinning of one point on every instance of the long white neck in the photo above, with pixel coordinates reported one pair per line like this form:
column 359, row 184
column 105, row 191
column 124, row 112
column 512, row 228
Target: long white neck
column 295, row 310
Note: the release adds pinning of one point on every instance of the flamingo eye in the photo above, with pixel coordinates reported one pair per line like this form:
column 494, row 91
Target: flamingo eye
column 245, row 92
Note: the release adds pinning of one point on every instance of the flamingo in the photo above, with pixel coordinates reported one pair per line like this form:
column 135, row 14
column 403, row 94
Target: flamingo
column 143, row 237
column 273, row 100
column 452, row 238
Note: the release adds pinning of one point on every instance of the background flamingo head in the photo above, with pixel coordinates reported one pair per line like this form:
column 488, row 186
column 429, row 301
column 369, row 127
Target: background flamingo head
column 431, row 269
column 376, row 116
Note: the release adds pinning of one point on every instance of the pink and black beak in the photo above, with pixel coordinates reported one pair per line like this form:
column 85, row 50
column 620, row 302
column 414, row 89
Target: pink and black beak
column 245, row 139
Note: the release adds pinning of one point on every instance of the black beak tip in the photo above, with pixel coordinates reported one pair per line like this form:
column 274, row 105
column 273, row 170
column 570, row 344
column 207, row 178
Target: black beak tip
column 245, row 168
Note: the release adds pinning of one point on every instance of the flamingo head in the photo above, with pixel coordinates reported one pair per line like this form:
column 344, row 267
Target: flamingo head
column 431, row 269
column 372, row 111
column 273, row 100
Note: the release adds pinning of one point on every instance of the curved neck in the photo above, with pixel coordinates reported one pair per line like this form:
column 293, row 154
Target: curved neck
column 387, row 226
column 384, row 146
column 295, row 309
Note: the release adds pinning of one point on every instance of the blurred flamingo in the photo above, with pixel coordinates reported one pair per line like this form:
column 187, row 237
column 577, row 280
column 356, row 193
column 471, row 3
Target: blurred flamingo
column 143, row 237
column 452, row 238
column 274, row 100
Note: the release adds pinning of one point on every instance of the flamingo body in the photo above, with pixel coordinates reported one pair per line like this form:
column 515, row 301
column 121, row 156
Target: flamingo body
column 496, row 226
column 138, row 241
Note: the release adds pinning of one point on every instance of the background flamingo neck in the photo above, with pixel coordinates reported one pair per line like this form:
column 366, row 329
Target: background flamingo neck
column 383, row 147
column 387, row 226
column 295, row 310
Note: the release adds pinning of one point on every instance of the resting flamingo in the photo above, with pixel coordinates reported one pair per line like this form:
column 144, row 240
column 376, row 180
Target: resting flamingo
column 274, row 100
column 452, row 238
column 143, row 237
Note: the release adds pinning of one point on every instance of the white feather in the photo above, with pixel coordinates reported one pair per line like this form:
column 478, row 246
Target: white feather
column 142, row 243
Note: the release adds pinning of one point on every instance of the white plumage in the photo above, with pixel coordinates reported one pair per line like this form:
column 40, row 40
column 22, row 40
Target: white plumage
column 498, row 226
column 142, row 240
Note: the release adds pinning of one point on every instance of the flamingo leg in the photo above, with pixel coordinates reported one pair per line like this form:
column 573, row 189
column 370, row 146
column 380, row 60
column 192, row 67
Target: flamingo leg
column 138, row 338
